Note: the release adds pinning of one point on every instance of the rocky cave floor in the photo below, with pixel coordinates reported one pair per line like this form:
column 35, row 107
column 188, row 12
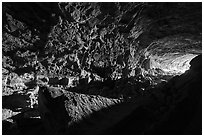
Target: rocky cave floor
column 101, row 68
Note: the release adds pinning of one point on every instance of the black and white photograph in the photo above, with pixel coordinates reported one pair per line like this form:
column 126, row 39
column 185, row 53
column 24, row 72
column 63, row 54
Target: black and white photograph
column 101, row 68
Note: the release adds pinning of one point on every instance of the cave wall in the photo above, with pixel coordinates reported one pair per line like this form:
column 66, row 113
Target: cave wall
column 109, row 39
column 60, row 42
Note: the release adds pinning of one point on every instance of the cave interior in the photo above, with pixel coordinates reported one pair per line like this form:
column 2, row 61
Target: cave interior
column 119, row 68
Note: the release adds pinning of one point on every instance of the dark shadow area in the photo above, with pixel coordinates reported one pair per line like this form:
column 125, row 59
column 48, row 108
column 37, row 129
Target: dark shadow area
column 8, row 128
column 39, row 18
column 23, row 126
column 51, row 105
column 134, row 124
column 15, row 102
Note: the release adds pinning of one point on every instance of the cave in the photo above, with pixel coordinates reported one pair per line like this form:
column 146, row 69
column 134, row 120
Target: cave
column 102, row 68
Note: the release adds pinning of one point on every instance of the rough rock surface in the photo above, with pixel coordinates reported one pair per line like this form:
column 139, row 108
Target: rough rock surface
column 101, row 68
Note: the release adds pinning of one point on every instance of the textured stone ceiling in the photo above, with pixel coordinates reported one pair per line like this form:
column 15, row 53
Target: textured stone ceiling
column 119, row 37
column 99, row 68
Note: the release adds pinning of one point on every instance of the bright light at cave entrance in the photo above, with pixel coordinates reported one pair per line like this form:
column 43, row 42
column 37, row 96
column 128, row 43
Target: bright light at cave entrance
column 173, row 63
